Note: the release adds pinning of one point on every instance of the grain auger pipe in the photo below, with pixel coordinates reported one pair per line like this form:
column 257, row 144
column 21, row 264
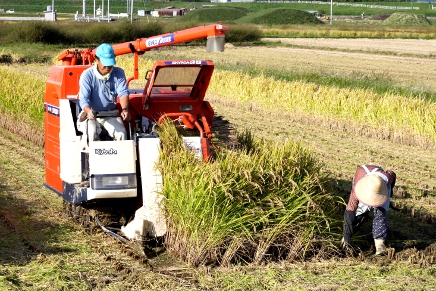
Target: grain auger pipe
column 214, row 33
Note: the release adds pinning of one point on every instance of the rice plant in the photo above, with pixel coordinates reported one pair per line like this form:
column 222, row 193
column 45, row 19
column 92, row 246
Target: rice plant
column 390, row 114
column 250, row 204
column 22, row 103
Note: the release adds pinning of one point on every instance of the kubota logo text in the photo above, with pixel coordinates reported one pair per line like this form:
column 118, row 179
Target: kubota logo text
column 105, row 152
column 155, row 41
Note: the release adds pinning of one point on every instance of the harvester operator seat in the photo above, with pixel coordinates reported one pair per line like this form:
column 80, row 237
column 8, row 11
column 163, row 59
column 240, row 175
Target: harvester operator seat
column 93, row 130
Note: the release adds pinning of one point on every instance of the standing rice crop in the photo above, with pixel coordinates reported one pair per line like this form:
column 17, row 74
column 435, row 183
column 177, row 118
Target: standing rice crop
column 268, row 201
column 22, row 103
column 401, row 118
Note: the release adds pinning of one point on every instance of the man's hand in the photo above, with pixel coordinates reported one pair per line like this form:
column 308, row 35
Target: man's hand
column 125, row 115
column 83, row 116
column 90, row 115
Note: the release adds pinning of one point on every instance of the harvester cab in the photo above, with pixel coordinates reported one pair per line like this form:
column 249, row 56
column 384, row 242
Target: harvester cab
column 119, row 178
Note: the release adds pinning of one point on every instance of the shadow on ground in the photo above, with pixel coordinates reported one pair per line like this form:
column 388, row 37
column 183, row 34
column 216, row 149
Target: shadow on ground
column 23, row 236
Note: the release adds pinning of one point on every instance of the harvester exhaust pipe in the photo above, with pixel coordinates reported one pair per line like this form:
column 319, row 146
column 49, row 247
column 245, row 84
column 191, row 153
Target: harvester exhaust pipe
column 215, row 44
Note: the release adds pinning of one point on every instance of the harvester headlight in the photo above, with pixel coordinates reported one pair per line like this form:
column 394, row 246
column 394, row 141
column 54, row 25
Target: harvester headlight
column 184, row 108
column 113, row 182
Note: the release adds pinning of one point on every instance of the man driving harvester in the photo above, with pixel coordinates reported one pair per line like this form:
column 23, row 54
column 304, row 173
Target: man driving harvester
column 372, row 189
column 100, row 86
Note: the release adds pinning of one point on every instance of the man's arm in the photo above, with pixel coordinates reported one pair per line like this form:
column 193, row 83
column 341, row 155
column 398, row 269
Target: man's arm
column 392, row 177
column 350, row 217
column 85, row 94
column 122, row 90
column 124, row 102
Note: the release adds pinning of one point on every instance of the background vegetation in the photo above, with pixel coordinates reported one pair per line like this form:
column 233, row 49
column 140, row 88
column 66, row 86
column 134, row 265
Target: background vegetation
column 239, row 85
column 120, row 6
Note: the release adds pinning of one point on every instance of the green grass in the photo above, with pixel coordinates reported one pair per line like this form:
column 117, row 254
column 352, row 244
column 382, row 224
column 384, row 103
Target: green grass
column 404, row 19
column 280, row 16
column 206, row 15
column 76, row 33
column 65, row 6
column 72, row 6
column 424, row 8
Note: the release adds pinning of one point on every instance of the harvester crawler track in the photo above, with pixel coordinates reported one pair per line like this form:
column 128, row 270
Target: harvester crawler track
column 94, row 219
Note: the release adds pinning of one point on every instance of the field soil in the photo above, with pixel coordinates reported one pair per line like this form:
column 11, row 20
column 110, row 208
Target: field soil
column 423, row 47
column 41, row 249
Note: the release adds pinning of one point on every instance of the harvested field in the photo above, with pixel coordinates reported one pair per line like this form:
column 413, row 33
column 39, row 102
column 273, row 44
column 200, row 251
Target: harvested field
column 414, row 70
column 416, row 47
column 63, row 256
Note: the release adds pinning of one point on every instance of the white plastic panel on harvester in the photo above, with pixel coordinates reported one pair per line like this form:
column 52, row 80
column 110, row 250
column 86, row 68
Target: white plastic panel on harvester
column 112, row 157
column 193, row 144
column 150, row 217
column 151, row 180
column 70, row 157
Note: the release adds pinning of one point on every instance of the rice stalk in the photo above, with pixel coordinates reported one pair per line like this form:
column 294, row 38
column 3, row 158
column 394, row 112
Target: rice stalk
column 21, row 95
column 400, row 115
column 239, row 205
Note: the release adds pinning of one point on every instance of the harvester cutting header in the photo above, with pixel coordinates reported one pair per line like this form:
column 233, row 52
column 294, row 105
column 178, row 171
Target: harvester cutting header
column 119, row 177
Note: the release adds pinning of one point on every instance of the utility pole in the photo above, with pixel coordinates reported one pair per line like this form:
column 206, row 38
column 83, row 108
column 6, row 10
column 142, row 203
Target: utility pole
column 131, row 12
column 331, row 11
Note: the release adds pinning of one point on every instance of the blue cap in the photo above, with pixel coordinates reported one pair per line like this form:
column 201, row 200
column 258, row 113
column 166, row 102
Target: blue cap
column 106, row 54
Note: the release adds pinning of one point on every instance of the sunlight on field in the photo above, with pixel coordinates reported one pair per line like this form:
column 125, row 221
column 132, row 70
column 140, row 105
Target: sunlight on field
column 405, row 47
column 395, row 115
column 399, row 71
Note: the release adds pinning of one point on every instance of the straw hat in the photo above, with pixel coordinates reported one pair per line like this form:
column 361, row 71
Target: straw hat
column 371, row 190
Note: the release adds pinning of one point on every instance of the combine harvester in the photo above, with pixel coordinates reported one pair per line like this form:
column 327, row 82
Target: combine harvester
column 118, row 179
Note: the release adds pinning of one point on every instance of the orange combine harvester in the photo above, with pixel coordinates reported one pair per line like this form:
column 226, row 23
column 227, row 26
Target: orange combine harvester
column 119, row 177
